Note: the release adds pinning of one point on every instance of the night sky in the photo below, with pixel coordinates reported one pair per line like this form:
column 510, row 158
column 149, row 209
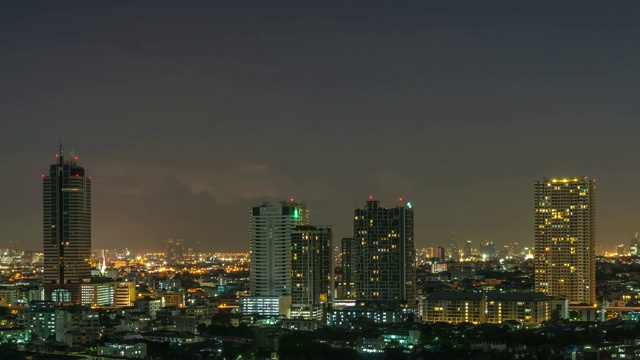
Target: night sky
column 187, row 114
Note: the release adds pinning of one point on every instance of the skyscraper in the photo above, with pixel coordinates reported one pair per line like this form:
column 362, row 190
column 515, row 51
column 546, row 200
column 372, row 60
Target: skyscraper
column 386, row 255
column 565, row 238
column 174, row 251
column 270, row 245
column 270, row 229
column 67, row 228
column 467, row 249
column 311, row 271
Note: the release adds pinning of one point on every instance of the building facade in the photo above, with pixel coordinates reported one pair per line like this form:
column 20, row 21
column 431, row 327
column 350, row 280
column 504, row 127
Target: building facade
column 40, row 318
column 311, row 271
column 565, row 238
column 385, row 252
column 67, row 227
column 123, row 350
column 527, row 308
column 97, row 294
column 492, row 307
column 349, row 268
column 455, row 307
column 82, row 324
column 125, row 293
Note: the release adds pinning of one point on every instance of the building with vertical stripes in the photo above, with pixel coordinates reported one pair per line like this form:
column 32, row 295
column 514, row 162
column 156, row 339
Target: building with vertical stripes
column 67, row 228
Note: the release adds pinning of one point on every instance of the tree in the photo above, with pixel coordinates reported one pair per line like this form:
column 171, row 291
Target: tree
column 222, row 318
column 555, row 315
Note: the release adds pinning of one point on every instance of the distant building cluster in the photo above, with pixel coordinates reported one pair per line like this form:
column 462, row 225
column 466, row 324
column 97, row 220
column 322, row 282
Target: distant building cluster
column 292, row 269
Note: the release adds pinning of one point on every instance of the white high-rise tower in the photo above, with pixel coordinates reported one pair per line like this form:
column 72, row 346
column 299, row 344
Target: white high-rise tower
column 270, row 229
column 270, row 242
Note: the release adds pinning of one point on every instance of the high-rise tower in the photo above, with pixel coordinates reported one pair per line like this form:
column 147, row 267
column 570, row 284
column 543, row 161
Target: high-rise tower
column 67, row 228
column 270, row 244
column 174, row 251
column 386, row 257
column 565, row 236
column 311, row 271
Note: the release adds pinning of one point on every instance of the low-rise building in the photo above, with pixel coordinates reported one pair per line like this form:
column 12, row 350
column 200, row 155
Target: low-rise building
column 82, row 323
column 150, row 306
column 186, row 323
column 40, row 318
column 455, row 307
column 123, row 350
column 301, row 324
column 173, row 337
column 14, row 335
column 265, row 305
column 8, row 296
column 97, row 294
column 355, row 317
column 528, row 308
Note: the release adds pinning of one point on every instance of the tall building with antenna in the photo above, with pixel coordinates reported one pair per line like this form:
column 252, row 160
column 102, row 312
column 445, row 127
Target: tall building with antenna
column 66, row 228
column 565, row 238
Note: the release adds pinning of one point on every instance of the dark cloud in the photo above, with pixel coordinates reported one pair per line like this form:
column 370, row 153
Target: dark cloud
column 186, row 116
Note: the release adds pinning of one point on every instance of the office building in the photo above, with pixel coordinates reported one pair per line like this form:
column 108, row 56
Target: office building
column 67, row 228
column 272, row 306
column 311, row 271
column 385, row 252
column 125, row 294
column 97, row 294
column 565, row 238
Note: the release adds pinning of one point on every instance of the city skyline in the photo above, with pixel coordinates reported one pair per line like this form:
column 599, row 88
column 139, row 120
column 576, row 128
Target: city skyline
column 190, row 115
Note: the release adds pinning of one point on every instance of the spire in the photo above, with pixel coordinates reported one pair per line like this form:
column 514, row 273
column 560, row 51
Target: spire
column 104, row 263
column 61, row 149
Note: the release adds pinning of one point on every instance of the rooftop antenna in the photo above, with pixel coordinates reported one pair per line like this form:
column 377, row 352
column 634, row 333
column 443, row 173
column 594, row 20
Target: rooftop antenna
column 61, row 149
